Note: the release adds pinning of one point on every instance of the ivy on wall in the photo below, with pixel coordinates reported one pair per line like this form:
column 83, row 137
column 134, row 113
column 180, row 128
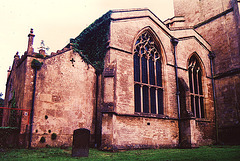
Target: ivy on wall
column 92, row 43
column 35, row 64
column 14, row 116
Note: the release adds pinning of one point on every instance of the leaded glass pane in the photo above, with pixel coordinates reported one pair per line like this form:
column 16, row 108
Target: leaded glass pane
column 190, row 80
column 153, row 99
column 202, row 107
column 159, row 73
column 192, row 104
column 145, row 99
column 195, row 81
column 151, row 72
column 137, row 97
column 144, row 70
column 136, row 68
column 200, row 82
column 160, row 101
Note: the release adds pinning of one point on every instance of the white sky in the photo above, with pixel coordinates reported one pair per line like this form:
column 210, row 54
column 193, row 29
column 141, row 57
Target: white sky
column 55, row 22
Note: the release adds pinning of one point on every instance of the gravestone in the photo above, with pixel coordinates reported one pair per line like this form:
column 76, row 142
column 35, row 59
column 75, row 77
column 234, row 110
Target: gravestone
column 80, row 146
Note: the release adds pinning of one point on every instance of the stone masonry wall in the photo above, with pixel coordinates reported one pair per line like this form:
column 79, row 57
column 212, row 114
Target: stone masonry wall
column 199, row 10
column 220, row 27
column 123, row 59
column 227, row 62
column 65, row 99
column 15, row 87
column 124, row 129
column 129, row 132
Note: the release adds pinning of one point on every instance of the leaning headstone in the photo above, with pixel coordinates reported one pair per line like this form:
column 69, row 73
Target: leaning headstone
column 80, row 146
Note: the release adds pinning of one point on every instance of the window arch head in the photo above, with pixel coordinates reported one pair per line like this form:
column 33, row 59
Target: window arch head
column 148, row 75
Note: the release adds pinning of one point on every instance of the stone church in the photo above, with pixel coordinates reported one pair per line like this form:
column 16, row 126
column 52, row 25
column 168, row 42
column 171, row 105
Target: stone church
column 134, row 81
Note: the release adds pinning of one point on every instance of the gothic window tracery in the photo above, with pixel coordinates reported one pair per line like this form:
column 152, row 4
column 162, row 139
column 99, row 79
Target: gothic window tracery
column 148, row 90
column 196, row 90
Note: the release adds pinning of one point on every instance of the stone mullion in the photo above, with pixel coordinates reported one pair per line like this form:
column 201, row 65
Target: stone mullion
column 149, row 97
column 199, row 104
column 193, row 88
column 155, row 75
column 141, row 89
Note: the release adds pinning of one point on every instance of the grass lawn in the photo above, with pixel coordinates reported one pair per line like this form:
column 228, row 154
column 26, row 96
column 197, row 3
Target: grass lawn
column 218, row 153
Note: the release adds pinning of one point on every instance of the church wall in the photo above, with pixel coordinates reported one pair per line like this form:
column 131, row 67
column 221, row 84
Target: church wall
column 65, row 99
column 226, row 47
column 66, row 87
column 19, row 88
column 170, row 103
column 149, row 130
column 225, row 64
column 141, row 132
column 228, row 94
column 15, row 89
column 222, row 32
column 202, row 130
column 123, row 59
column 199, row 10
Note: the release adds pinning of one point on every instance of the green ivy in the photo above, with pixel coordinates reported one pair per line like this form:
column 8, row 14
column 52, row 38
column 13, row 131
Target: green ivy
column 35, row 64
column 92, row 43
column 13, row 100
column 13, row 120
column 39, row 55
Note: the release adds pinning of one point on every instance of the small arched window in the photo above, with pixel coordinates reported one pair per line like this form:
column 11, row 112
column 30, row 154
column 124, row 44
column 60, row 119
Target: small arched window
column 148, row 90
column 196, row 90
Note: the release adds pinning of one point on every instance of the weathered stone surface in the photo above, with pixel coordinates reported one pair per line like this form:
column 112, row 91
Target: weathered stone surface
column 217, row 21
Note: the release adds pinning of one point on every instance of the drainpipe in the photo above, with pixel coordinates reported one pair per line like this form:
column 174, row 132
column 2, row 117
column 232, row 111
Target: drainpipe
column 32, row 110
column 96, row 113
column 174, row 42
column 36, row 65
column 211, row 56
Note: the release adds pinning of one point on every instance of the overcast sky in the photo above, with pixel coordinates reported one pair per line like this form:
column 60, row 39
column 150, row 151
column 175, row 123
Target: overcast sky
column 55, row 22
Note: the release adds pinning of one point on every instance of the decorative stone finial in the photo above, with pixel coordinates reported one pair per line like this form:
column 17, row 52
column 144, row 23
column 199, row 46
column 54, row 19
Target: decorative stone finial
column 16, row 55
column 9, row 69
column 31, row 30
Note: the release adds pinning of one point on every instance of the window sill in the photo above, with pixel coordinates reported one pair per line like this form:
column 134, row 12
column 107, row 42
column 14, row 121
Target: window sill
column 197, row 119
column 202, row 120
column 145, row 115
column 151, row 115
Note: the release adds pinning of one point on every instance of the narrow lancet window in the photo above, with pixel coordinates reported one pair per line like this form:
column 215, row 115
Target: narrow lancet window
column 196, row 90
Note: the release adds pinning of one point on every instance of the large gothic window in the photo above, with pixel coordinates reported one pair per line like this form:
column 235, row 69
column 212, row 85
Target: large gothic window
column 148, row 90
column 196, row 90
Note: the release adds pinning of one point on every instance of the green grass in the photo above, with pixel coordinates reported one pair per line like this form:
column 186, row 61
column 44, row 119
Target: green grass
column 218, row 153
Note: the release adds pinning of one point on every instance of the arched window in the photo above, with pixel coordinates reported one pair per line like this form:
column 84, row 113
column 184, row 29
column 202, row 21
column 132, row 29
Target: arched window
column 196, row 90
column 148, row 90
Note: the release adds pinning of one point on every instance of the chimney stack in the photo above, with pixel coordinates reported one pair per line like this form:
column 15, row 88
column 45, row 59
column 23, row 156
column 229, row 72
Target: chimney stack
column 30, row 49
